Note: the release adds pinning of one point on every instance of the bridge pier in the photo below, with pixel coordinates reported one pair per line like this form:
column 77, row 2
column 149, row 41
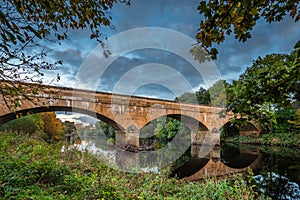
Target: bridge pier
column 212, row 152
column 206, row 137
column 127, row 159
column 127, row 138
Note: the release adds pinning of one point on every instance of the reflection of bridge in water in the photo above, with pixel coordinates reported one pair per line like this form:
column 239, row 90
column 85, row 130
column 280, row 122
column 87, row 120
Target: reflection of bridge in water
column 212, row 166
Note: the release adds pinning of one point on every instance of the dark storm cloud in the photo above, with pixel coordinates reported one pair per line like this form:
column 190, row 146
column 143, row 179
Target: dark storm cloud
column 234, row 56
column 181, row 16
column 137, row 61
column 69, row 56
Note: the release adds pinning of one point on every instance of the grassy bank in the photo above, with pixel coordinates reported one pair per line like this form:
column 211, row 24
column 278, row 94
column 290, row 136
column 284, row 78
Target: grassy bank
column 276, row 139
column 34, row 169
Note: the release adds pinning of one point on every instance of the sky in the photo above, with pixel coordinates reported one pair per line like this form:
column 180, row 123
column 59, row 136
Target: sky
column 141, row 67
column 182, row 16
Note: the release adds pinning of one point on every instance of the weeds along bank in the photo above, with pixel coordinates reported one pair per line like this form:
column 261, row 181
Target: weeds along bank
column 32, row 168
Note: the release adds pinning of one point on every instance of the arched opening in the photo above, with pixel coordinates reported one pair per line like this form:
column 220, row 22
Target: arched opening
column 161, row 132
column 166, row 127
column 248, row 129
column 229, row 130
column 162, row 135
column 99, row 133
column 239, row 128
column 232, row 156
column 17, row 114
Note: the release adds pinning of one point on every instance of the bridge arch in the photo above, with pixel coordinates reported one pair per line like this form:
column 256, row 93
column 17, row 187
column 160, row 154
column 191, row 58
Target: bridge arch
column 230, row 129
column 191, row 122
column 24, row 112
column 198, row 132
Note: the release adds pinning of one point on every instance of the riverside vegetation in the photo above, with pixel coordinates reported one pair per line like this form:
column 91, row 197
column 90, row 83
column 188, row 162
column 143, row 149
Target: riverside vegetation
column 34, row 167
column 268, row 92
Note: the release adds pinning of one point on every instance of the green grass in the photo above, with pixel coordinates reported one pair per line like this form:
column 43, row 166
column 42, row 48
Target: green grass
column 275, row 139
column 33, row 169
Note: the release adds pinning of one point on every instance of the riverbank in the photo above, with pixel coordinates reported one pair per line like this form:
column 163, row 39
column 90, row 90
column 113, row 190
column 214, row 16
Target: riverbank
column 31, row 168
column 276, row 139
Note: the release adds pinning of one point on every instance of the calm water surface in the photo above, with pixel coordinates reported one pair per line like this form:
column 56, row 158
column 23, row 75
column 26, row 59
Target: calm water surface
column 276, row 169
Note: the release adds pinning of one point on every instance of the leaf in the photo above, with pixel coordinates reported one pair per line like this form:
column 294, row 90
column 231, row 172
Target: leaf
column 213, row 52
column 293, row 12
column 33, row 31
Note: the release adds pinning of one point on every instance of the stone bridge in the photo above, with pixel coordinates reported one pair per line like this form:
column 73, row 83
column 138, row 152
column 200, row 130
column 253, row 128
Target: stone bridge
column 126, row 114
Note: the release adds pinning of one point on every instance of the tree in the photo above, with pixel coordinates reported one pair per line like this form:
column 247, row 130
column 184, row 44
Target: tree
column 225, row 17
column 218, row 93
column 27, row 25
column 270, row 84
column 203, row 96
column 167, row 128
column 107, row 129
column 296, row 122
column 28, row 124
column 214, row 95
column 187, row 97
column 53, row 127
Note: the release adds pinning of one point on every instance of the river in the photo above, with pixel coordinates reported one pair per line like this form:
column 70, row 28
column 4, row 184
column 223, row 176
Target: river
column 276, row 169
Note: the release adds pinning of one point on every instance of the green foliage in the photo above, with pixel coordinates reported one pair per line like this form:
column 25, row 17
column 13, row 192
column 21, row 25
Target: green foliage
column 26, row 124
column 203, row 96
column 229, row 130
column 102, row 134
column 26, row 162
column 283, row 117
column 40, row 19
column 46, row 125
column 33, row 169
column 187, row 97
column 107, row 130
column 276, row 139
column 216, row 95
column 296, row 121
column 166, row 130
column 223, row 18
column 265, row 89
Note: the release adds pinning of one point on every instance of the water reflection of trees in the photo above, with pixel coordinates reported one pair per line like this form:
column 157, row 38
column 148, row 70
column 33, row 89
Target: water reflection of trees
column 237, row 158
column 101, row 135
column 277, row 169
column 276, row 177
column 164, row 137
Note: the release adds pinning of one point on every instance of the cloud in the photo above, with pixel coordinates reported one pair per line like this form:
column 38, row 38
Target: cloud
column 174, row 14
column 77, row 118
column 279, row 37
column 70, row 57
column 177, row 15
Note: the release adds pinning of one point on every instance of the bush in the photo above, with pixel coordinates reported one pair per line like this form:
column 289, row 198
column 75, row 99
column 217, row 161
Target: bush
column 22, row 125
